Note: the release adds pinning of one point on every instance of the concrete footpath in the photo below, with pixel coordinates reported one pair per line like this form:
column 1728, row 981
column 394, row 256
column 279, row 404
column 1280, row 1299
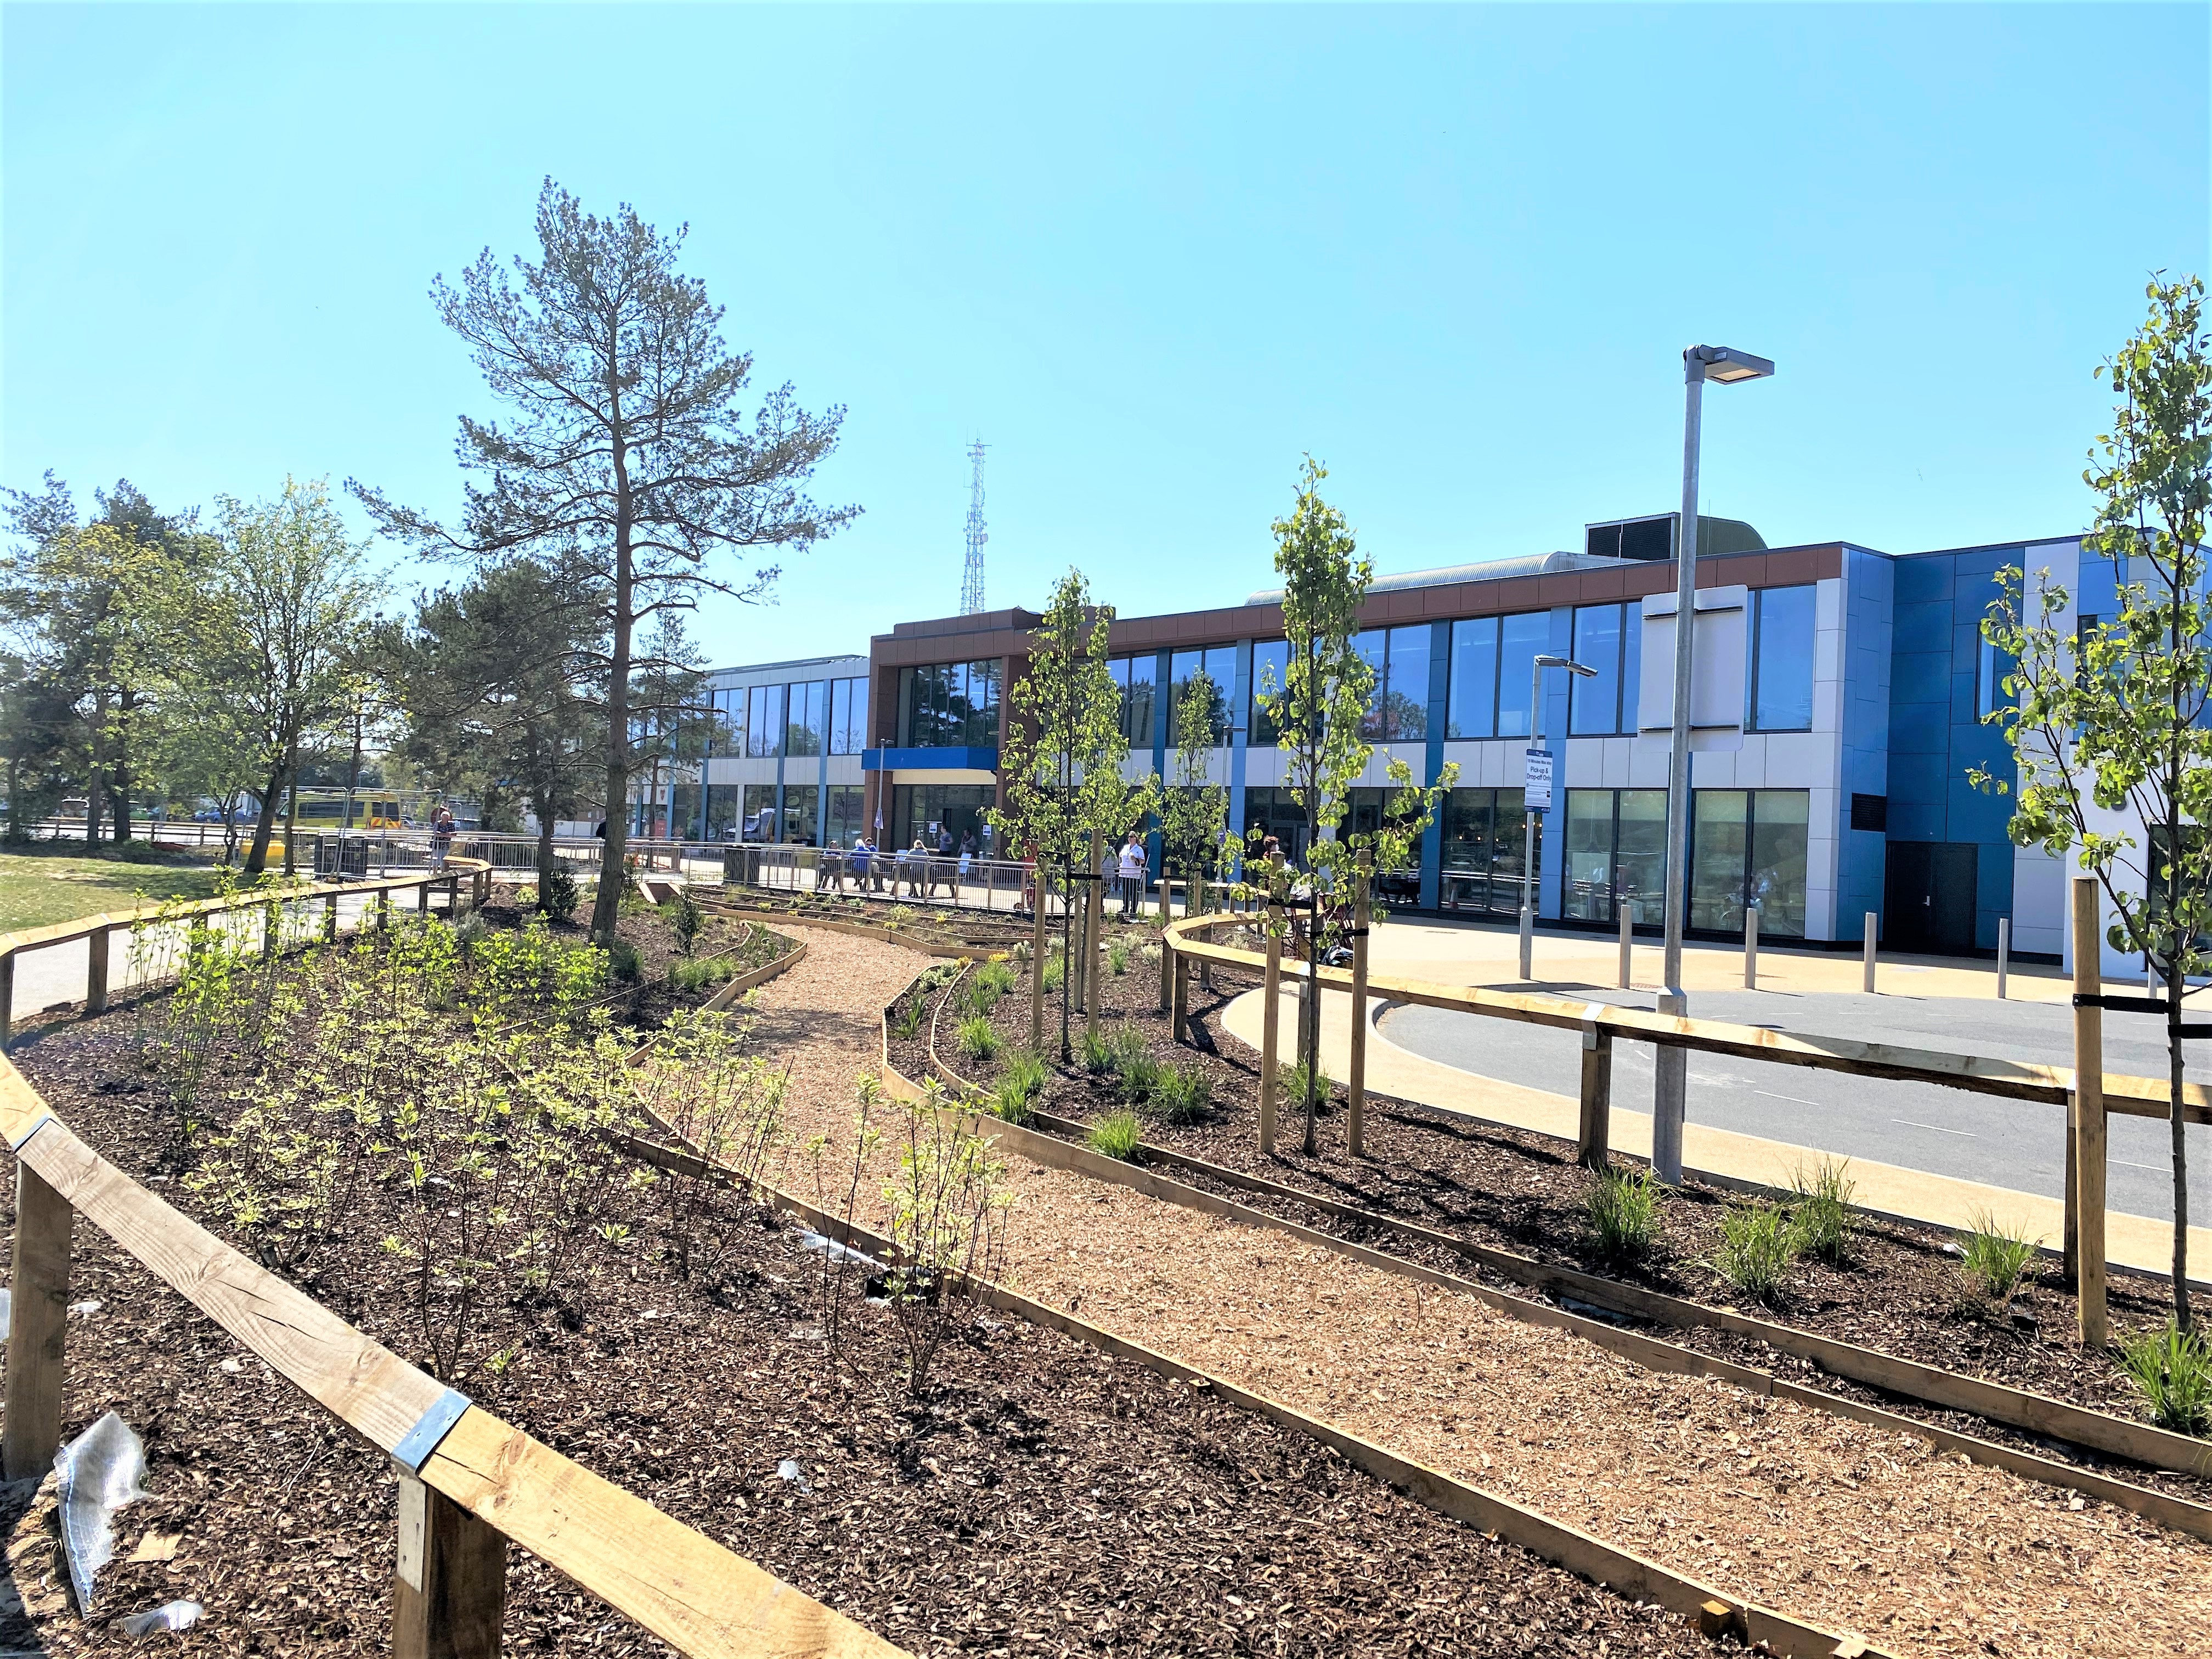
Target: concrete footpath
column 1476, row 958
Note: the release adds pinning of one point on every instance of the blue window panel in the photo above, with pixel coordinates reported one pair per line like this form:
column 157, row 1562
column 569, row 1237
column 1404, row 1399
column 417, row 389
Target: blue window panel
column 1974, row 816
column 1963, row 690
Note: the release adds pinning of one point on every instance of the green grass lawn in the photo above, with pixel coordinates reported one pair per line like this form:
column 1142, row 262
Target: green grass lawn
column 38, row 888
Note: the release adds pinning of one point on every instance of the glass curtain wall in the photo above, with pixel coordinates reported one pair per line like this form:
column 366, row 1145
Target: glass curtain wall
column 1277, row 812
column 1483, row 844
column 1219, row 662
column 1616, row 854
column 1136, row 677
column 723, row 809
column 1609, row 639
column 758, row 820
column 763, row 722
column 802, row 805
column 848, row 717
column 1782, row 660
column 1749, row 846
column 1492, row 660
column 846, row 806
column 948, row 705
column 1271, row 661
column 930, row 811
column 1398, row 710
column 803, row 732
column 1364, row 813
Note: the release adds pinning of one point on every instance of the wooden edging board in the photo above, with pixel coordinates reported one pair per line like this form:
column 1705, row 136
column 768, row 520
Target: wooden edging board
column 706, row 1601
column 2140, row 1443
column 2006, row 1079
column 1580, row 1552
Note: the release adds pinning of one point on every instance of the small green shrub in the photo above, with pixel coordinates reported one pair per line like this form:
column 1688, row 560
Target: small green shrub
column 1622, row 1207
column 1821, row 1207
column 685, row 919
column 1097, row 1053
column 906, row 1018
column 557, row 893
column 2172, row 1368
column 1115, row 1134
column 623, row 963
column 1993, row 1258
column 1117, row 956
column 987, row 986
column 978, row 1038
column 1757, row 1244
column 1183, row 1094
column 1055, row 974
column 1294, row 1086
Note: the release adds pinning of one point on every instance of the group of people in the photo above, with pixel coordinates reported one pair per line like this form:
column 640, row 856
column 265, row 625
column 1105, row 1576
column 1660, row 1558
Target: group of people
column 919, row 869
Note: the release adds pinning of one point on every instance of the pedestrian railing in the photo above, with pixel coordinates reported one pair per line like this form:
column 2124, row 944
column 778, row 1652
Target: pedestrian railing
column 96, row 933
column 967, row 882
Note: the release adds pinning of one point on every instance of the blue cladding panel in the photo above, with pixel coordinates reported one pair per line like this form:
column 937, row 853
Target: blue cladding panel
column 1917, row 778
column 1920, row 676
column 1923, row 627
column 1913, row 821
column 1920, row 580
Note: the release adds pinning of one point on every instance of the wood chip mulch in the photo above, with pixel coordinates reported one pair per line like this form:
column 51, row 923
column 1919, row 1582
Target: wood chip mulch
column 1830, row 1519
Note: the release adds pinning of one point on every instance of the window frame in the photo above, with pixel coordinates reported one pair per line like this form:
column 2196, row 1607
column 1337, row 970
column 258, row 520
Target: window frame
column 1751, row 721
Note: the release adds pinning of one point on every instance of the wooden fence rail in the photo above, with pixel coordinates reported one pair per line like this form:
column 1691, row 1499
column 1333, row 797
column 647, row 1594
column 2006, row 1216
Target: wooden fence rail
column 469, row 1480
column 97, row 931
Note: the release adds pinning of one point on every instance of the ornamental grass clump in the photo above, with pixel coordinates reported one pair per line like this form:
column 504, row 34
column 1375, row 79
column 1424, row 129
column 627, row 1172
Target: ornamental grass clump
column 987, row 986
column 978, row 1039
column 1136, row 1073
column 697, row 973
column 1183, row 1094
column 2172, row 1368
column 1993, row 1259
column 1115, row 1134
column 1117, row 956
column 1622, row 1208
column 1820, row 1206
column 1757, row 1243
column 1097, row 1053
column 1020, row 1083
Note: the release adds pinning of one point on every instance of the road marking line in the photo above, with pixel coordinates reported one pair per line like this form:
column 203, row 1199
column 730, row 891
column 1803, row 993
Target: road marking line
column 2156, row 1168
column 1967, row 1134
column 1794, row 1099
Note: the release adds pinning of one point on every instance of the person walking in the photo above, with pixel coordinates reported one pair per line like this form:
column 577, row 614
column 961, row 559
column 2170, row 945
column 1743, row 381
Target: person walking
column 441, row 835
column 1134, row 870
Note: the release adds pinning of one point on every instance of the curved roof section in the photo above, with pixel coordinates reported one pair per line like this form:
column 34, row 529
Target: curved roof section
column 1488, row 570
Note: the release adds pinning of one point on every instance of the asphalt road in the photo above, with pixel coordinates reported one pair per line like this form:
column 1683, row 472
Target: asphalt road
column 1915, row 1125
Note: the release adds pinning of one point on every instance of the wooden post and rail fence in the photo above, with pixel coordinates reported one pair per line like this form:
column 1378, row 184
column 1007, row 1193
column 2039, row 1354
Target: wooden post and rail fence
column 98, row 932
column 2085, row 1089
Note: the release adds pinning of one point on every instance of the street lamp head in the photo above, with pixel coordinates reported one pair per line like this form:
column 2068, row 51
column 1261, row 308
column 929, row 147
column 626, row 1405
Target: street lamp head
column 1725, row 364
column 1567, row 663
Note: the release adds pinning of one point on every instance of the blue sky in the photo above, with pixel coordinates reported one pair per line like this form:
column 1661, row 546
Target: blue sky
column 1151, row 254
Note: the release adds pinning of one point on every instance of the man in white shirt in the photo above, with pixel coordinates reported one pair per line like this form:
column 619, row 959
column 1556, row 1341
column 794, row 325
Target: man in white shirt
column 1134, row 870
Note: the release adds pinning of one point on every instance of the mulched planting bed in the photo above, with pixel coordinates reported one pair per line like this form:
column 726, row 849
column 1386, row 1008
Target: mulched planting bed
column 1901, row 1290
column 917, row 920
column 1040, row 1499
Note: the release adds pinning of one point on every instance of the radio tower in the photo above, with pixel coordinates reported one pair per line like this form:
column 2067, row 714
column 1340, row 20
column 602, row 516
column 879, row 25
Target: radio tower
column 971, row 584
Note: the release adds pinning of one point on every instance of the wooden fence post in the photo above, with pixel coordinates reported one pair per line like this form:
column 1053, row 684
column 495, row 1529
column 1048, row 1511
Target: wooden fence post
column 423, row 900
column 1167, row 953
column 449, row 1587
column 37, row 1322
column 1179, row 1012
column 95, row 972
column 384, row 910
column 330, row 918
column 1270, row 1022
column 1594, row 1139
column 2087, row 1117
column 7, row 999
column 1356, row 1089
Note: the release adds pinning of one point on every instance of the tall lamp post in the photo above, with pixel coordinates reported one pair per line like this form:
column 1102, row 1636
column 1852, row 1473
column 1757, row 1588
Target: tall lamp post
column 1671, row 1079
column 1528, row 832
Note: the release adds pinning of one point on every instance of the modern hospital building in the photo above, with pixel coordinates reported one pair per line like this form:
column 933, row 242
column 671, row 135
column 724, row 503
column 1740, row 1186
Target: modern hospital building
column 1835, row 715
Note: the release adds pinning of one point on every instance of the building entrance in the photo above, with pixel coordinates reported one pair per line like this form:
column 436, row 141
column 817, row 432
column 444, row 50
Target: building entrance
column 1928, row 896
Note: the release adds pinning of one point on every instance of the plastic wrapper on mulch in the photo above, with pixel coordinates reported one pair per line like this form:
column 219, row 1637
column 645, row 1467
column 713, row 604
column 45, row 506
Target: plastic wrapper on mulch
column 100, row 1471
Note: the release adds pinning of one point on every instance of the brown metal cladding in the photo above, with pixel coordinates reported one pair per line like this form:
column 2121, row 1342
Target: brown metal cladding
column 1006, row 633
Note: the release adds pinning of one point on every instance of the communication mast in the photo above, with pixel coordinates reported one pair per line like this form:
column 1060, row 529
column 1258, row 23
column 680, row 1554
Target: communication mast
column 971, row 584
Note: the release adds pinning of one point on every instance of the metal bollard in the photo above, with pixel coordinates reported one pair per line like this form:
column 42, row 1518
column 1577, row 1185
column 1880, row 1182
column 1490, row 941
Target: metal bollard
column 1627, row 947
column 2004, row 953
column 1751, row 947
column 1867, row 976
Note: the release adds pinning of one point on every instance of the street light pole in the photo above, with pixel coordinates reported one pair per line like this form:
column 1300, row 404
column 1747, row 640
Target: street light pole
column 1670, row 1077
column 1528, row 832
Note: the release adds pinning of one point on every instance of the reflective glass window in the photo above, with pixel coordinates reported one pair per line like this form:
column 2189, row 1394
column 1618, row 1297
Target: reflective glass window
column 1270, row 660
column 1406, row 697
column 1520, row 639
column 1781, row 651
column 1218, row 663
column 1594, row 706
column 1471, row 710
